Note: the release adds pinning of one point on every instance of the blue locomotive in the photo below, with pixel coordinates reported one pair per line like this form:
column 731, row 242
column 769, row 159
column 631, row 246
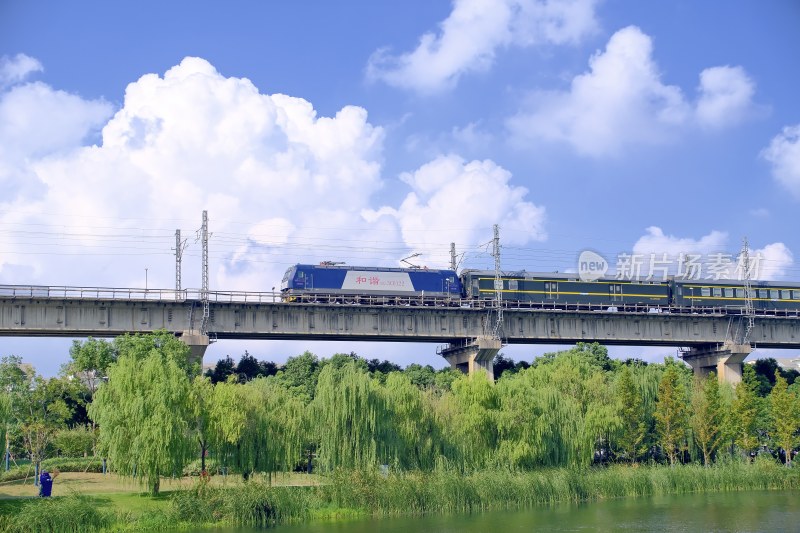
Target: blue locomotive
column 354, row 284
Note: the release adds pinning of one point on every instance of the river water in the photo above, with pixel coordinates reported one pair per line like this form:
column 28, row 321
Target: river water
column 711, row 512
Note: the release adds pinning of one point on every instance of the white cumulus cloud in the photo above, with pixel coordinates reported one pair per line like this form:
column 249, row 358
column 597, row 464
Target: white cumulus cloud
column 726, row 96
column 658, row 249
column 280, row 184
column 16, row 69
column 784, row 154
column 621, row 101
column 774, row 261
column 469, row 38
column 466, row 198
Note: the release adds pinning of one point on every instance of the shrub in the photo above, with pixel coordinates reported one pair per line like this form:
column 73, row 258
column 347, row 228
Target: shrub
column 75, row 442
column 67, row 514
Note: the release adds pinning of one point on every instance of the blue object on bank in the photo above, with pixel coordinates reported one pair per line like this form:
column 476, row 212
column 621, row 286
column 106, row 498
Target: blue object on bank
column 45, row 484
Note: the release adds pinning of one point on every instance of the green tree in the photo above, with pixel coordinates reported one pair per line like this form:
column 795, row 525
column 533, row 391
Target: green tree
column 89, row 361
column 559, row 412
column 671, row 413
column 15, row 384
column 46, row 413
column 706, row 418
column 745, row 412
column 348, row 417
column 144, row 410
column 5, row 418
column 412, row 437
column 256, row 427
column 37, row 409
column 202, row 395
column 468, row 417
column 300, row 374
column 785, row 411
column 633, row 431
column 423, row 377
column 221, row 371
column 75, row 442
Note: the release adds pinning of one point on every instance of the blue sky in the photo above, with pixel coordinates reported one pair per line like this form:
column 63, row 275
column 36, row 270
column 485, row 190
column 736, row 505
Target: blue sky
column 367, row 131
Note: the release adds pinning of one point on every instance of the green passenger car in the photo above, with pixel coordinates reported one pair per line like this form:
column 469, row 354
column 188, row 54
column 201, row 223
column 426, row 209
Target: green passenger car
column 566, row 289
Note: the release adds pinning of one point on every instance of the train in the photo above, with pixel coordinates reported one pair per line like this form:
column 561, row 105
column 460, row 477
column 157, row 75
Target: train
column 421, row 286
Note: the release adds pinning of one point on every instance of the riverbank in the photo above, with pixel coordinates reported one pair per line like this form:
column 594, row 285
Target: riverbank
column 359, row 494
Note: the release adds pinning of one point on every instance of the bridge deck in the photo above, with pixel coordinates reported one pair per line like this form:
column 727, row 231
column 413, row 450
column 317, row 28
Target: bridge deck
column 105, row 312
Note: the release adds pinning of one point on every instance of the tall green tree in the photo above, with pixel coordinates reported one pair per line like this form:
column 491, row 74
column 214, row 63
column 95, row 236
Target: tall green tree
column 348, row 418
column 412, row 439
column 785, row 413
column 558, row 412
column 707, row 417
column 631, row 441
column 671, row 413
column 257, row 427
column 745, row 412
column 145, row 410
column 202, row 395
column 468, row 417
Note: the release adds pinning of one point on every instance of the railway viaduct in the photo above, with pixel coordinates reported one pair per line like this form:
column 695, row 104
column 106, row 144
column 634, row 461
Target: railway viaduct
column 712, row 341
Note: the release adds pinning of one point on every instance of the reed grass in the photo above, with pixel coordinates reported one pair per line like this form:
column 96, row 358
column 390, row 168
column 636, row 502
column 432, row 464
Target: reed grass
column 346, row 494
column 74, row 513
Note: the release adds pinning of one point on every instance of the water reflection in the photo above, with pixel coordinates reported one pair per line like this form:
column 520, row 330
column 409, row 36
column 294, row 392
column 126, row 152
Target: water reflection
column 716, row 512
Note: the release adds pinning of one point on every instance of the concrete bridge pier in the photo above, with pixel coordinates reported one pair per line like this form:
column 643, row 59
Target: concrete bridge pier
column 724, row 359
column 197, row 343
column 473, row 356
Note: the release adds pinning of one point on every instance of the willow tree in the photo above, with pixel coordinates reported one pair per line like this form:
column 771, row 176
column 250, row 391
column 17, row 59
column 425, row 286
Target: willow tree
column 524, row 431
column 348, row 418
column 144, row 410
column 785, row 414
column 256, row 427
column 707, row 417
column 412, row 438
column 671, row 413
column 202, row 394
column 282, row 417
column 561, row 411
column 467, row 416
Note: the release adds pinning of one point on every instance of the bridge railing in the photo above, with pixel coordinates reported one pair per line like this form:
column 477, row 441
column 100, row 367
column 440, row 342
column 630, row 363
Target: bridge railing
column 133, row 294
column 247, row 297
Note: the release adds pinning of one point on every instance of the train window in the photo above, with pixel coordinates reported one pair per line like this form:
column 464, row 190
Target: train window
column 728, row 292
column 717, row 292
column 512, row 285
column 773, row 294
column 763, row 293
column 785, row 294
column 705, row 291
column 796, row 294
column 301, row 274
column 740, row 293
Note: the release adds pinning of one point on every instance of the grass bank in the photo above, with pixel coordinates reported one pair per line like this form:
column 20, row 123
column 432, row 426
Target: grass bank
column 357, row 493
